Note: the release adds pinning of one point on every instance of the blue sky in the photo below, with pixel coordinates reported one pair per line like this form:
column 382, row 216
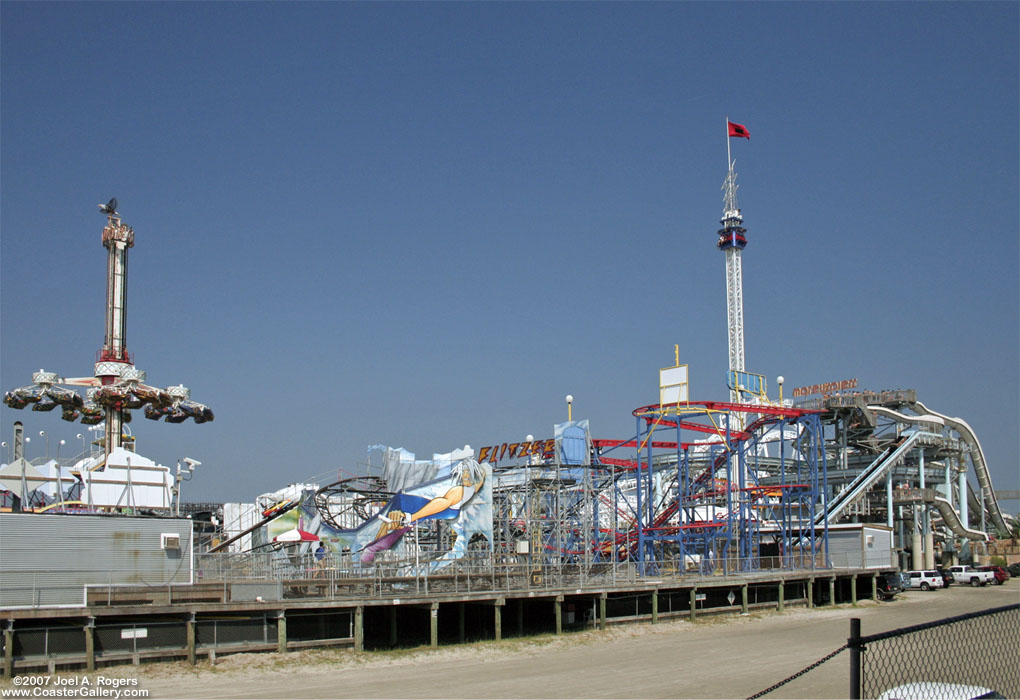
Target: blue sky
column 423, row 224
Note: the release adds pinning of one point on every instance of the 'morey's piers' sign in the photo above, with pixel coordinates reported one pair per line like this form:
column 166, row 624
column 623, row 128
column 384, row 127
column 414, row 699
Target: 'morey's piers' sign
column 827, row 388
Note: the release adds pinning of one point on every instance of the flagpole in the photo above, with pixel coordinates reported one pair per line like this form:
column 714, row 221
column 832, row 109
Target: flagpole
column 729, row 161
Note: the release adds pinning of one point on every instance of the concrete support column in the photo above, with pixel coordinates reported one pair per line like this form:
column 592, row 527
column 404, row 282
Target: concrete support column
column 281, row 632
column 853, row 590
column 558, row 612
column 916, row 552
column 9, row 649
column 811, row 592
column 874, row 587
column 434, row 625
column 90, row 644
column 190, row 632
column 694, row 604
column 832, row 591
column 888, row 498
column 359, row 628
column 602, row 612
column 929, row 549
column 743, row 599
column 655, row 606
column 782, row 592
column 962, row 492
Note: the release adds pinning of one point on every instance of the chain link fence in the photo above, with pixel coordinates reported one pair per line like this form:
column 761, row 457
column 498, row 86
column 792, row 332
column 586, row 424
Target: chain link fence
column 964, row 656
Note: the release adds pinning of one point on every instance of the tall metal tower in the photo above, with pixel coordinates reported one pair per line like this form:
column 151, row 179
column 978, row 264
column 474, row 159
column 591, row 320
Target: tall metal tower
column 118, row 386
column 113, row 360
column 732, row 242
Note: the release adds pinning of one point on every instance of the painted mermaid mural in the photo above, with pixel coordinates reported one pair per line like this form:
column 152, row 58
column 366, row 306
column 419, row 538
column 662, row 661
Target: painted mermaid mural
column 459, row 492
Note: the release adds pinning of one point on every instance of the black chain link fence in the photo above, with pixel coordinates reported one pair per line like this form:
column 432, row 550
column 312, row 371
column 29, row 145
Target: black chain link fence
column 980, row 650
column 799, row 673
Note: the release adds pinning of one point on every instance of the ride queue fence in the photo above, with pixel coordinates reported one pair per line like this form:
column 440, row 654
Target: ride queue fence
column 980, row 649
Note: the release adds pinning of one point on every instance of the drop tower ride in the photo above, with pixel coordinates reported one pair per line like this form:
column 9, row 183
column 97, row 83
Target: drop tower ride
column 117, row 386
column 732, row 241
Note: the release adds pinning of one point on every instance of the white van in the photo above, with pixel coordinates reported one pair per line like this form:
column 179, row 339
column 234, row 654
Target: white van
column 925, row 580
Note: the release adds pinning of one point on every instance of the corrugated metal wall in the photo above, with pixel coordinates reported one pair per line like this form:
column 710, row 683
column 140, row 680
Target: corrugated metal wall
column 845, row 548
column 878, row 547
column 47, row 559
column 861, row 547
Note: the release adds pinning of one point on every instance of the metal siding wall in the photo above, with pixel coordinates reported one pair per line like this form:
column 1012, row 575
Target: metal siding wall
column 47, row 559
column 879, row 555
column 845, row 548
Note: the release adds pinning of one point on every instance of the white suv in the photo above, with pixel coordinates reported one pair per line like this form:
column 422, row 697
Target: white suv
column 925, row 580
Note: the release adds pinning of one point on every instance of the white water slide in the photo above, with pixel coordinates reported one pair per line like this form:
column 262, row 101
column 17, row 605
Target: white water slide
column 949, row 514
column 952, row 520
column 977, row 456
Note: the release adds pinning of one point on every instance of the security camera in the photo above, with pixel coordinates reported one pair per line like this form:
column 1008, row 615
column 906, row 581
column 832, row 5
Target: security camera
column 191, row 462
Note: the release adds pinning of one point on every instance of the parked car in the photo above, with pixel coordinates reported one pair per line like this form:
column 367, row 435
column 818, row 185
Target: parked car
column 928, row 690
column 1000, row 574
column 1014, row 569
column 975, row 577
column 925, row 580
column 947, row 578
column 887, row 586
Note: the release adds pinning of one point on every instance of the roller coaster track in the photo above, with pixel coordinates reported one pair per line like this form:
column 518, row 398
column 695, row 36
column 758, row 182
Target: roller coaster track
column 977, row 455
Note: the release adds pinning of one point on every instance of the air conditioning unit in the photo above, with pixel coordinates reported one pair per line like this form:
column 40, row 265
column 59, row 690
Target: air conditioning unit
column 169, row 540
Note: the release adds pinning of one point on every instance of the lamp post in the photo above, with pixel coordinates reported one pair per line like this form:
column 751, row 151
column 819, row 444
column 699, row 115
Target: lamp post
column 42, row 434
column 4, row 444
column 570, row 403
column 779, row 381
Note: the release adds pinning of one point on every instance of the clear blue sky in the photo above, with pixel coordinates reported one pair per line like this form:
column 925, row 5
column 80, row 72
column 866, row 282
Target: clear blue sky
column 424, row 224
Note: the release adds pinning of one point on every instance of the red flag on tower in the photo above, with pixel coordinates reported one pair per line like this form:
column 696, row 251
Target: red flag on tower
column 738, row 130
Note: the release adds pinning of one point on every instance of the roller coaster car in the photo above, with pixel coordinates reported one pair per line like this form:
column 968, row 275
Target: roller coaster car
column 275, row 508
column 70, row 414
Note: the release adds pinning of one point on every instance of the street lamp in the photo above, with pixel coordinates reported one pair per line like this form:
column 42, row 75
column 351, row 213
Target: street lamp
column 4, row 444
column 570, row 403
column 779, row 381
column 42, row 434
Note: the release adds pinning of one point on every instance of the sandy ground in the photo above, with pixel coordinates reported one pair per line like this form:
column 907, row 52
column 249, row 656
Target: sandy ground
column 730, row 657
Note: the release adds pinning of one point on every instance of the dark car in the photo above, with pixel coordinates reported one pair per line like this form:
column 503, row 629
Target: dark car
column 1014, row 569
column 888, row 585
column 947, row 578
column 1000, row 574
